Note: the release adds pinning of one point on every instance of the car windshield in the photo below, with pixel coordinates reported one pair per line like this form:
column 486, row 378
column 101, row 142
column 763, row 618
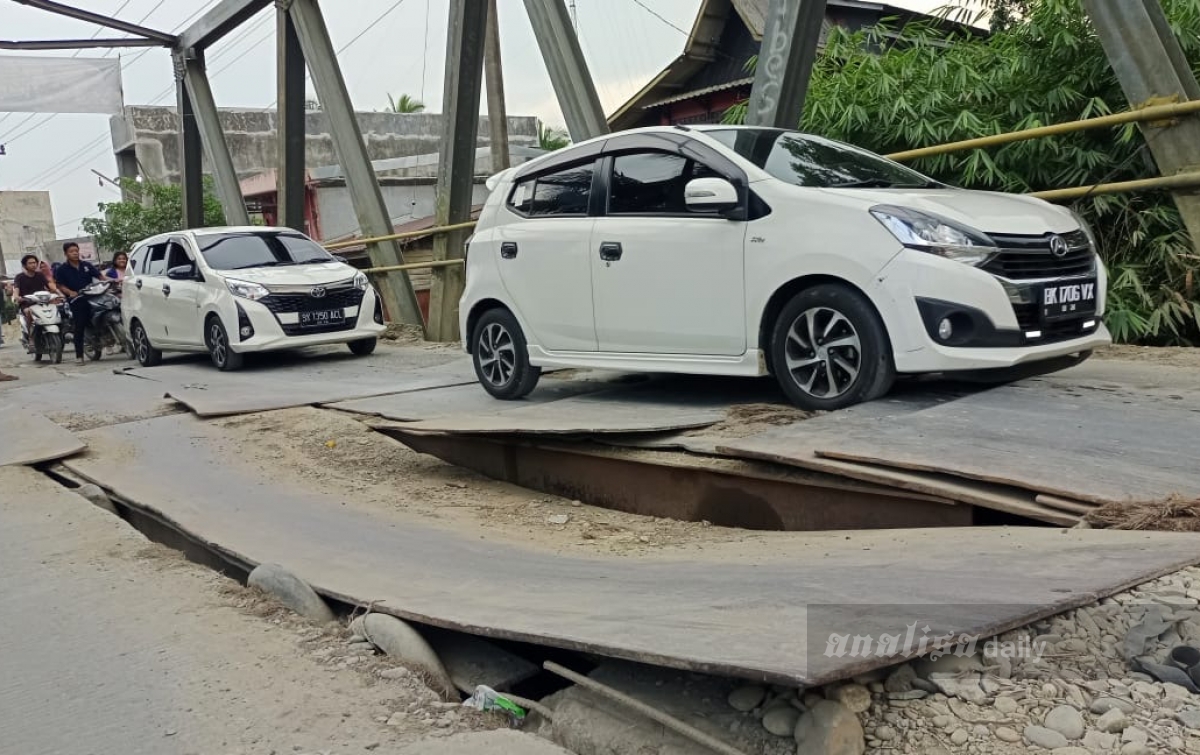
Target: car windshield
column 238, row 251
column 806, row 160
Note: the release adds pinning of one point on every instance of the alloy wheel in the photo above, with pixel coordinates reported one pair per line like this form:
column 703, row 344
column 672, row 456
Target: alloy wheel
column 823, row 352
column 497, row 354
column 141, row 344
column 216, row 340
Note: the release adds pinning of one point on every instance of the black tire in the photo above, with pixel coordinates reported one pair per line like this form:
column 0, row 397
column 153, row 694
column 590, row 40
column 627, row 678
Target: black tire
column 847, row 362
column 54, row 347
column 38, row 348
column 363, row 346
column 93, row 347
column 224, row 358
column 501, row 356
column 140, row 347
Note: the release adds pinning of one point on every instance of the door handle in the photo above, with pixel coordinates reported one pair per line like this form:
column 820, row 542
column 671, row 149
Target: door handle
column 138, row 284
column 610, row 251
column 508, row 250
column 166, row 290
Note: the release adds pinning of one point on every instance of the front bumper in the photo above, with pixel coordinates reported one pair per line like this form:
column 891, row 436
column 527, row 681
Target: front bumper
column 274, row 330
column 994, row 328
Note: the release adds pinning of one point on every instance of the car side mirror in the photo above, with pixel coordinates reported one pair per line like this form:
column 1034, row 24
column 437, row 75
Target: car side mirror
column 341, row 259
column 710, row 195
column 182, row 273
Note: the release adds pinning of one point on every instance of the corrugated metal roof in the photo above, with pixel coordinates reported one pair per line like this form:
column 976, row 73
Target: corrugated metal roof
column 701, row 92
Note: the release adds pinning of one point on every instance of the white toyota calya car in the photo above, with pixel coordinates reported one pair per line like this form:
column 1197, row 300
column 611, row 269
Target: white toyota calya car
column 239, row 290
column 746, row 251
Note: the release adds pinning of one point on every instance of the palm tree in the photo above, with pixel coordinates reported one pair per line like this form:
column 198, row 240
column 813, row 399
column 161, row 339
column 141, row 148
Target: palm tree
column 405, row 104
column 550, row 138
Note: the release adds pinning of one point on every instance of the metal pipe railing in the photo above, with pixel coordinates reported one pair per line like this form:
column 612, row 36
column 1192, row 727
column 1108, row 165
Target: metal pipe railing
column 1153, row 113
column 1177, row 181
column 401, row 236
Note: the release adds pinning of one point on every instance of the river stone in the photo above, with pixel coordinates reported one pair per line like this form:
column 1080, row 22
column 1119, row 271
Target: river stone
column 854, row 696
column 1189, row 718
column 1066, row 721
column 747, row 698
column 781, row 720
column 900, row 680
column 1006, row 705
column 1005, row 734
column 1045, row 738
column 829, row 728
column 97, row 496
column 401, row 641
column 291, row 591
column 1099, row 741
column 1102, row 705
column 1112, row 721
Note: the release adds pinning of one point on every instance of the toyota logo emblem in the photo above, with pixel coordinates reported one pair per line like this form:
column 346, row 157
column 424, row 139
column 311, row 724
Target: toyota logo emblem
column 1058, row 246
column 319, row 291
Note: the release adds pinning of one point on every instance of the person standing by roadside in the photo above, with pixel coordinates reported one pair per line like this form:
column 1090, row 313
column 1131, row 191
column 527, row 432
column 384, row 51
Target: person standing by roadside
column 72, row 277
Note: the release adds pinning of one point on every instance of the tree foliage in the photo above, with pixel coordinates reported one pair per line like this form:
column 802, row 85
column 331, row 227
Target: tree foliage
column 152, row 209
column 405, row 103
column 550, row 138
column 1045, row 66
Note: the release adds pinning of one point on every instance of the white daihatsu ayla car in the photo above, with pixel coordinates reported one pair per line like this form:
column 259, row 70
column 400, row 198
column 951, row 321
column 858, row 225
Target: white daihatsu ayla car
column 239, row 290
column 746, row 251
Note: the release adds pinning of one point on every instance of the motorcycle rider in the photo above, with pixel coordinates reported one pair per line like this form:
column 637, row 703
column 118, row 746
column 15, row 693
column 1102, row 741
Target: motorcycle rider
column 30, row 281
column 72, row 277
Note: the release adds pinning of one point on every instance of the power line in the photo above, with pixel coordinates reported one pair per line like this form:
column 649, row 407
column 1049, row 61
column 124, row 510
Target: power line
column 659, row 16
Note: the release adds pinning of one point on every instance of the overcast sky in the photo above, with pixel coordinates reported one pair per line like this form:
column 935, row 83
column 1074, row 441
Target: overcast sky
column 400, row 50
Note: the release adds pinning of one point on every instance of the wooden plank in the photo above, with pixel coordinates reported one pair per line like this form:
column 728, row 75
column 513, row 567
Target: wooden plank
column 776, row 593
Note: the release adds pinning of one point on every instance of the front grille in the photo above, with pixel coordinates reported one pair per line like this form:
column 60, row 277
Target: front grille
column 292, row 303
column 294, row 329
column 1029, row 257
column 1052, row 332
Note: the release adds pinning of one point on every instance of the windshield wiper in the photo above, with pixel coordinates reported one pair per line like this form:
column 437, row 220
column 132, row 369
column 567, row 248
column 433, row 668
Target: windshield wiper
column 314, row 261
column 272, row 263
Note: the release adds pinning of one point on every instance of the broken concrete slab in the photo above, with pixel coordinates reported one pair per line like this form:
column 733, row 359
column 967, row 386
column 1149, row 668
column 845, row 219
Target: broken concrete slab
column 472, row 661
column 30, row 438
column 674, row 608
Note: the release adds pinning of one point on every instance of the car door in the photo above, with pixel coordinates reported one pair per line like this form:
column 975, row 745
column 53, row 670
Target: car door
column 181, row 297
column 665, row 280
column 543, row 257
column 132, row 297
column 146, row 287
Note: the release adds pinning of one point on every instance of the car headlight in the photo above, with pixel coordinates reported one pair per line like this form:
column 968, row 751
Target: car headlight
column 246, row 289
column 1087, row 230
column 361, row 282
column 931, row 233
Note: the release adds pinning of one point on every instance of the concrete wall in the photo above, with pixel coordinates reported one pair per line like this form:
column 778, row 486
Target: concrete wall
column 406, row 201
column 152, row 135
column 26, row 224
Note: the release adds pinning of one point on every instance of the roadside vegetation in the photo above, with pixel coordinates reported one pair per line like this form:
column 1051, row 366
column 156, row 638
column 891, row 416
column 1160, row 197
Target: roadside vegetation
column 1041, row 65
column 151, row 209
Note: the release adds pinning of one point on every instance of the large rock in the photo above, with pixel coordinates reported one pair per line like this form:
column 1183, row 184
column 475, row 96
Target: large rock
column 781, row 720
column 1066, row 721
column 1102, row 705
column 401, row 641
column 291, row 591
column 829, row 729
column 499, row 742
column 746, row 698
column 1113, row 721
column 855, row 697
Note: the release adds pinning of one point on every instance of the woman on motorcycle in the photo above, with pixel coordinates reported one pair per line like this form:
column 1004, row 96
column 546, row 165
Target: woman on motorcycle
column 120, row 262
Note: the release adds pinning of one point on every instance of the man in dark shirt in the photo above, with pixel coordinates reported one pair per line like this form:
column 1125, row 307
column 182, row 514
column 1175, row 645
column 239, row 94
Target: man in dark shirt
column 73, row 276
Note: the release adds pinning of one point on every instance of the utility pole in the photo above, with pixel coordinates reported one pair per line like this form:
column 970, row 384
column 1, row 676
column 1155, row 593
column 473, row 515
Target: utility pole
column 493, row 72
column 785, row 62
column 569, row 75
column 1152, row 69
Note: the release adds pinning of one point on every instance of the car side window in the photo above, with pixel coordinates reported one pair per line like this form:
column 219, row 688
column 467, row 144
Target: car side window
column 137, row 260
column 177, row 256
column 156, row 261
column 564, row 192
column 652, row 183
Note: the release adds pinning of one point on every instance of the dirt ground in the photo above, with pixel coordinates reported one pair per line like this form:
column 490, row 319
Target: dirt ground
column 329, row 451
column 1182, row 356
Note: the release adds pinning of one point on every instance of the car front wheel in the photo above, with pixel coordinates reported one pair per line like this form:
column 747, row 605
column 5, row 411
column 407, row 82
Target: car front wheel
column 501, row 356
column 224, row 358
column 830, row 350
column 147, row 355
column 362, row 346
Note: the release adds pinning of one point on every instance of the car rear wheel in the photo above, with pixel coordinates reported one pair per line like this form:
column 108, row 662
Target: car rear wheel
column 830, row 350
column 147, row 355
column 501, row 356
column 362, row 347
column 224, row 358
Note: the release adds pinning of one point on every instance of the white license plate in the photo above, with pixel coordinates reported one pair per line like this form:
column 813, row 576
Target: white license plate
column 1065, row 299
column 322, row 317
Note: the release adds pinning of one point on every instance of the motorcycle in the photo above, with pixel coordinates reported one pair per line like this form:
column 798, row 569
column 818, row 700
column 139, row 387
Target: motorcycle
column 46, row 335
column 106, row 327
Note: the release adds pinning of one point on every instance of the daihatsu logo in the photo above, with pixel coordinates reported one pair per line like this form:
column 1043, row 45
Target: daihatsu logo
column 317, row 293
column 1058, row 246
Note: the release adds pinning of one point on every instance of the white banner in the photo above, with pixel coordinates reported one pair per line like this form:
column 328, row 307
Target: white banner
column 60, row 85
